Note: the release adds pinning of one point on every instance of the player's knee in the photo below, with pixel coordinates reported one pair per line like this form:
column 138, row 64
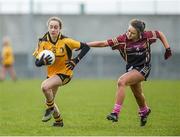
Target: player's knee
column 121, row 82
column 44, row 87
column 2, row 78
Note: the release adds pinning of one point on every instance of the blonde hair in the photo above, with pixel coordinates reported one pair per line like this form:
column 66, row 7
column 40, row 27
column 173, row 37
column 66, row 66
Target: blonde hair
column 55, row 19
column 6, row 40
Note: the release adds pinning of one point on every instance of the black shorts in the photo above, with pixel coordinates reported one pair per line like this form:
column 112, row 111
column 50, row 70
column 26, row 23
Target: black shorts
column 65, row 78
column 7, row 65
column 144, row 69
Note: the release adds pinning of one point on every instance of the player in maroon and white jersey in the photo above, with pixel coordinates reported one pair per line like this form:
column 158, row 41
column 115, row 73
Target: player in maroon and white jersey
column 134, row 46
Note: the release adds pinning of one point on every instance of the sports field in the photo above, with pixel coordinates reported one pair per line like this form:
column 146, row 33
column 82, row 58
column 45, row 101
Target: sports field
column 84, row 105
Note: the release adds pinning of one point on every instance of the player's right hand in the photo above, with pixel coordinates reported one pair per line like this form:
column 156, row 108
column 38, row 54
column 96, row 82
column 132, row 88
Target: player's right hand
column 47, row 60
column 167, row 53
column 40, row 62
column 43, row 61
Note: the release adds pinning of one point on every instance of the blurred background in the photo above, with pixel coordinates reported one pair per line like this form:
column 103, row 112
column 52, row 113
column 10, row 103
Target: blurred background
column 24, row 21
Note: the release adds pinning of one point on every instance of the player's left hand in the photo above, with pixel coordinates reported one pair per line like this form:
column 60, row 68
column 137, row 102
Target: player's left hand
column 167, row 53
column 70, row 64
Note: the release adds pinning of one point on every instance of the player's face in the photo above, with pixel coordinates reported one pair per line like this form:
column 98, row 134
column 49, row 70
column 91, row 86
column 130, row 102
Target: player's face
column 6, row 42
column 54, row 28
column 132, row 33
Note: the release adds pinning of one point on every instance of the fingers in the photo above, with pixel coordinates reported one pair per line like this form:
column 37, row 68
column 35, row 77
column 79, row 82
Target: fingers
column 167, row 54
column 42, row 57
column 48, row 60
column 45, row 60
column 70, row 67
column 70, row 64
column 165, row 57
column 48, row 57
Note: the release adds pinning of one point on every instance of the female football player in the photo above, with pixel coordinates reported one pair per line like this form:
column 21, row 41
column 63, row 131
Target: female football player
column 7, row 60
column 134, row 47
column 59, row 73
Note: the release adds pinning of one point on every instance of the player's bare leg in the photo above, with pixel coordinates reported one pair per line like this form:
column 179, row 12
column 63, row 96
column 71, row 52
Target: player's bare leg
column 47, row 87
column 144, row 110
column 3, row 73
column 127, row 79
column 12, row 73
column 138, row 94
column 57, row 115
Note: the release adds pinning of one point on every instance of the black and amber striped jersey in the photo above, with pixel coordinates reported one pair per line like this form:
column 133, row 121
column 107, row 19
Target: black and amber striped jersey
column 62, row 49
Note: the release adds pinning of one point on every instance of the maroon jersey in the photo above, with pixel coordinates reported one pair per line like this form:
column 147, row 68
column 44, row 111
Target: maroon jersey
column 135, row 53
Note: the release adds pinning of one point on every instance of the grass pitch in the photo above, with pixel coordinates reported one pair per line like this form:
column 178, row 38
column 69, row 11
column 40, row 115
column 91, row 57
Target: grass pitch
column 84, row 105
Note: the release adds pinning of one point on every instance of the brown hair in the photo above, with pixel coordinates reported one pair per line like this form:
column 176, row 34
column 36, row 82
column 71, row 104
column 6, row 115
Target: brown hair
column 55, row 19
column 139, row 25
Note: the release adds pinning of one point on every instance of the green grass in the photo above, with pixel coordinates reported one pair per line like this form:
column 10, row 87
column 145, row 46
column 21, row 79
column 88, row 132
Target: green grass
column 84, row 105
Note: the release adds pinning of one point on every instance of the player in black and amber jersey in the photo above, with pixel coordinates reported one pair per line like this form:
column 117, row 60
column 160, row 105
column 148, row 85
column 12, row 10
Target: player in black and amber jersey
column 134, row 46
column 59, row 73
column 7, row 60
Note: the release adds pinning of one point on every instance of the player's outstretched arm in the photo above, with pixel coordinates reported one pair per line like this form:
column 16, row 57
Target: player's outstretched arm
column 164, row 41
column 97, row 44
